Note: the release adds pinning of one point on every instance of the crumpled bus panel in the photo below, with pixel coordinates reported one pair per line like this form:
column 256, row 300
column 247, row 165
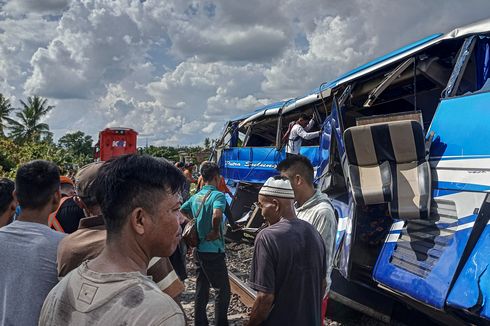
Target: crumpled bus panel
column 471, row 291
column 257, row 164
column 419, row 258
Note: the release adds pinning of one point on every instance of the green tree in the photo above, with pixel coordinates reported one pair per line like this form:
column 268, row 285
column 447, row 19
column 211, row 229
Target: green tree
column 78, row 143
column 5, row 109
column 207, row 143
column 12, row 155
column 28, row 126
column 78, row 146
column 170, row 153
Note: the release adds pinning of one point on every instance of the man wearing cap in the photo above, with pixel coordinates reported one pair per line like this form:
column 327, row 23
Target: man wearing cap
column 66, row 218
column 89, row 240
column 289, row 263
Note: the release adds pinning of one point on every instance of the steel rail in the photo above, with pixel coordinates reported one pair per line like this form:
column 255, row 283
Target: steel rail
column 245, row 294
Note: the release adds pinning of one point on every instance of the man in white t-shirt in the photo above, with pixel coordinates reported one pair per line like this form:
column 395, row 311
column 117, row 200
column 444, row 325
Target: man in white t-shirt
column 299, row 132
column 140, row 202
column 312, row 206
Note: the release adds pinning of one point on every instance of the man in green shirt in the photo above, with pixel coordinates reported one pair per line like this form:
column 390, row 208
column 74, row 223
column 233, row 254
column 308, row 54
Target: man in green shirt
column 207, row 207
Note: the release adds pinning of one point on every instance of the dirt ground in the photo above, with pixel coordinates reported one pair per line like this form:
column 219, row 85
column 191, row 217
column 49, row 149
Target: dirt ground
column 238, row 259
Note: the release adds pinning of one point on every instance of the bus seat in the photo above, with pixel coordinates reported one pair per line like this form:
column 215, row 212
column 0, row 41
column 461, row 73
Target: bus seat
column 370, row 178
column 411, row 172
column 387, row 164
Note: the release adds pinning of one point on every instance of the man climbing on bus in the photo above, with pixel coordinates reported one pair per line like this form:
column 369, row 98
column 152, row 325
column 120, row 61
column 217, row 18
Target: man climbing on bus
column 298, row 132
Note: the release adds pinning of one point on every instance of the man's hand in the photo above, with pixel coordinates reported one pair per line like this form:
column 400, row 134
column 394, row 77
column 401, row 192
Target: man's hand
column 261, row 308
column 213, row 235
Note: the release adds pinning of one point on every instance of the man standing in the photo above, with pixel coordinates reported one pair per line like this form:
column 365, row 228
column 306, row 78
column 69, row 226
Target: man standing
column 207, row 207
column 312, row 206
column 140, row 200
column 289, row 262
column 299, row 132
column 89, row 240
column 66, row 218
column 7, row 202
column 28, row 254
column 225, row 190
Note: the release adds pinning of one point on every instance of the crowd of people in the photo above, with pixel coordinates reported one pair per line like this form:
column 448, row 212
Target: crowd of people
column 106, row 248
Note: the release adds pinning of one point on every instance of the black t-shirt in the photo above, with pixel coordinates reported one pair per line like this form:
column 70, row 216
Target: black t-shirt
column 69, row 215
column 290, row 261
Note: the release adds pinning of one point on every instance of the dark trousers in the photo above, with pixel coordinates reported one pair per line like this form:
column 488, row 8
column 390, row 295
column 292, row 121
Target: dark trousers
column 211, row 272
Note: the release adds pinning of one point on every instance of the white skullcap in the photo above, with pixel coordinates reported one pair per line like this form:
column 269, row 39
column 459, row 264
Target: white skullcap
column 277, row 187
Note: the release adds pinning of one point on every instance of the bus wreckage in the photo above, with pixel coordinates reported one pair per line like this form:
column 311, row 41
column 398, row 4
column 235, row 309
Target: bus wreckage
column 404, row 155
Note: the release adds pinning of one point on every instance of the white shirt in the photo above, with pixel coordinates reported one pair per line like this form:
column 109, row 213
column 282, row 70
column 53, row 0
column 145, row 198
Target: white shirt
column 319, row 212
column 296, row 136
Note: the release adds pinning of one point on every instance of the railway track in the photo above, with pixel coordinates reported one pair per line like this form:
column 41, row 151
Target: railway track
column 245, row 294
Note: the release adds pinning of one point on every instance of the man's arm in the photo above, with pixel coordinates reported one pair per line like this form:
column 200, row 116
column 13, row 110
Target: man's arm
column 217, row 217
column 261, row 308
column 163, row 274
column 219, row 205
column 310, row 125
column 307, row 135
column 262, row 279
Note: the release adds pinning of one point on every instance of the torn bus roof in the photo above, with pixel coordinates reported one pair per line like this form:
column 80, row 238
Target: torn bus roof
column 479, row 27
column 258, row 110
column 405, row 52
column 286, row 107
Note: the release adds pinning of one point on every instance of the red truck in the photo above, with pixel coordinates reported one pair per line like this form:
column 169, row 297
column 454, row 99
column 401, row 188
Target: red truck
column 115, row 142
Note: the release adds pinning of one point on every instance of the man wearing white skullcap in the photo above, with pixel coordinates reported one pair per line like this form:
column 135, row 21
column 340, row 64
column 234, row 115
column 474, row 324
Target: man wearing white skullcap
column 289, row 262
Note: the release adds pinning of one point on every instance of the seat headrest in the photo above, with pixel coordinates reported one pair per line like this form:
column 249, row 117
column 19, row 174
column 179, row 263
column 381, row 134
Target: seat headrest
column 397, row 141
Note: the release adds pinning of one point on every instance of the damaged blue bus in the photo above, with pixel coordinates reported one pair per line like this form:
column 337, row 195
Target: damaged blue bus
column 404, row 155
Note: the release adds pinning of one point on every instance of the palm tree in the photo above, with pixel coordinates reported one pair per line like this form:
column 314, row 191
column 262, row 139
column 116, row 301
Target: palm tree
column 28, row 125
column 5, row 109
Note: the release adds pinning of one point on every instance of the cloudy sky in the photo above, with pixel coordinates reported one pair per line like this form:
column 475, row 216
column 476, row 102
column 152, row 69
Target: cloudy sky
column 175, row 70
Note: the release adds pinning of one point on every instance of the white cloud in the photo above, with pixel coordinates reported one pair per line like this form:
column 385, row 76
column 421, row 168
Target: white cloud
column 19, row 40
column 90, row 50
column 224, row 30
column 43, row 6
column 256, row 43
